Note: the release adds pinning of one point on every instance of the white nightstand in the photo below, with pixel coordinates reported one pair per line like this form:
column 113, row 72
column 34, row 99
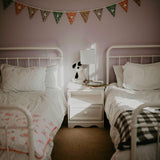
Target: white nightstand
column 85, row 106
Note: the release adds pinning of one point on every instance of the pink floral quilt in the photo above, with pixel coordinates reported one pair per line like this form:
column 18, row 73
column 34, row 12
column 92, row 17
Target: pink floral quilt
column 18, row 138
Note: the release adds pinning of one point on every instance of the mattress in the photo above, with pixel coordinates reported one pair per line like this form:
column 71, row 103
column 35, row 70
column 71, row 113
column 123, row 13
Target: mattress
column 118, row 100
column 47, row 109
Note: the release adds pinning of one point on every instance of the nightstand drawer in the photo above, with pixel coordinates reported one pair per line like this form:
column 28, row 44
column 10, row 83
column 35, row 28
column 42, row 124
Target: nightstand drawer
column 86, row 99
column 94, row 112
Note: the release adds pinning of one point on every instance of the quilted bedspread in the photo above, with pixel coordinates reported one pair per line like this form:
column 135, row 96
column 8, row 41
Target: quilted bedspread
column 47, row 109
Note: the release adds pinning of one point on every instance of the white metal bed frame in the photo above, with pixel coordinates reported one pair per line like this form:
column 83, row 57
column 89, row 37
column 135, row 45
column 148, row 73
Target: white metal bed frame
column 137, row 111
column 24, row 111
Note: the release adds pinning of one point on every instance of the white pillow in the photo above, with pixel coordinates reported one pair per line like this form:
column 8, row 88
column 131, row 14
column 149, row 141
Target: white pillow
column 51, row 76
column 119, row 74
column 16, row 78
column 141, row 76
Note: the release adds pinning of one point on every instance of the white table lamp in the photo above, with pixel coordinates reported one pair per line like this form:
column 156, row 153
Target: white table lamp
column 88, row 57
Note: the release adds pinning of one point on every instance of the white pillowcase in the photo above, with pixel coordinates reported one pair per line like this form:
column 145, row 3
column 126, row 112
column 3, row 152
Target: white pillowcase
column 51, row 76
column 141, row 76
column 16, row 78
column 119, row 74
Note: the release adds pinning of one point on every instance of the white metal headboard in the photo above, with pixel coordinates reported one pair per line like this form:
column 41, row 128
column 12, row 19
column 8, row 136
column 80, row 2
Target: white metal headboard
column 59, row 56
column 108, row 56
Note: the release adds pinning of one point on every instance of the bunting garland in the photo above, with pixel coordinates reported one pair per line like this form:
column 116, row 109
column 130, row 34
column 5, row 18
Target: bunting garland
column 71, row 15
column 31, row 11
column 19, row 7
column 57, row 16
column 138, row 2
column 6, row 3
column 44, row 14
column 112, row 9
column 85, row 15
column 98, row 13
column 124, row 5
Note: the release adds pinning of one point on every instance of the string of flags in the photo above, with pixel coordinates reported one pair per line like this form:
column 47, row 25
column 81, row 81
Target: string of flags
column 71, row 15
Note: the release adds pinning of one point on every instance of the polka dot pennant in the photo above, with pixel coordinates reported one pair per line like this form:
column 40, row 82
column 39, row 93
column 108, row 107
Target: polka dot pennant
column 85, row 15
column 57, row 16
column 98, row 13
column 44, row 15
column 19, row 7
column 31, row 11
column 138, row 2
column 124, row 5
column 71, row 16
column 112, row 9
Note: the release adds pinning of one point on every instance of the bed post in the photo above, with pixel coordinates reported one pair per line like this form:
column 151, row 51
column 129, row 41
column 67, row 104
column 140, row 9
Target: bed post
column 29, row 127
column 107, row 64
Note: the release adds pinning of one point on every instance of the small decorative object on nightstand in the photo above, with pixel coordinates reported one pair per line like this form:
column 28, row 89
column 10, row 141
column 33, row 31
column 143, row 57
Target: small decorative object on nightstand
column 85, row 105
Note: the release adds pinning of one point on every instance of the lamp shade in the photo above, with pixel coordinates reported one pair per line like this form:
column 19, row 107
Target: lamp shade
column 88, row 56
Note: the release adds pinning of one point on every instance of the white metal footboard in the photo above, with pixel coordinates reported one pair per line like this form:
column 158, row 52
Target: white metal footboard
column 29, row 127
column 134, row 126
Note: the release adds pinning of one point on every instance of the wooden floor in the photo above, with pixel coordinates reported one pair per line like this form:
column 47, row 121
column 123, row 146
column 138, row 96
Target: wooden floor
column 82, row 144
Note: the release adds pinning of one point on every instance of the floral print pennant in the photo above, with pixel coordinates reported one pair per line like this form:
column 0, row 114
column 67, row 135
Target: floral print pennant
column 71, row 16
column 19, row 7
column 98, row 13
column 112, row 9
column 44, row 14
column 57, row 16
column 85, row 15
column 31, row 11
column 124, row 5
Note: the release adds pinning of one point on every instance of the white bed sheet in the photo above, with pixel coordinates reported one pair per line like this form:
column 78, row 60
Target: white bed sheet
column 118, row 100
column 51, row 102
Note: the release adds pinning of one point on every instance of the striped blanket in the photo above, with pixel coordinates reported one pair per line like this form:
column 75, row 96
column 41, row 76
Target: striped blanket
column 145, row 135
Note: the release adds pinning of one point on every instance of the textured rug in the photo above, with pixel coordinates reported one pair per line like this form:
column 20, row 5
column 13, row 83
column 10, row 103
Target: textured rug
column 82, row 144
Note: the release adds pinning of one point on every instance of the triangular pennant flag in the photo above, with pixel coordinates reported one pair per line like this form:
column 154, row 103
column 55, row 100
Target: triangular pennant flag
column 112, row 9
column 6, row 3
column 57, row 16
column 19, row 7
column 98, row 13
column 124, row 5
column 85, row 15
column 71, row 16
column 31, row 11
column 44, row 15
column 138, row 2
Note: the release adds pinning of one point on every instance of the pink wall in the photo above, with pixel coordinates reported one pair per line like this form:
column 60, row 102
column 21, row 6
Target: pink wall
column 141, row 25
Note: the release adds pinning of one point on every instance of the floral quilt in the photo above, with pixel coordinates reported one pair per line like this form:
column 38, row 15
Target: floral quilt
column 18, row 138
